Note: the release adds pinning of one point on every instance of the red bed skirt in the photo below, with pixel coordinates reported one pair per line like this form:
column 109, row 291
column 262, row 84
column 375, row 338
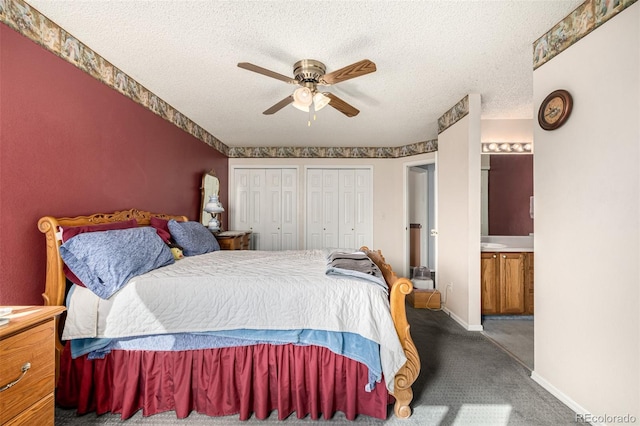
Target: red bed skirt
column 308, row 380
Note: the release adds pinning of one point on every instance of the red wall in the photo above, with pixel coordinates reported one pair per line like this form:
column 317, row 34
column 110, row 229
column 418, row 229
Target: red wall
column 70, row 145
column 510, row 186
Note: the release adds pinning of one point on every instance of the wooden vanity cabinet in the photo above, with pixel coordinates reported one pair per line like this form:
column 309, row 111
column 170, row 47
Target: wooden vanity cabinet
column 506, row 283
column 489, row 283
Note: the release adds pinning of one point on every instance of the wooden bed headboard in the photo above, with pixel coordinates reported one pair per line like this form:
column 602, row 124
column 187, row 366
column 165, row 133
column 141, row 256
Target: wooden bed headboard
column 55, row 284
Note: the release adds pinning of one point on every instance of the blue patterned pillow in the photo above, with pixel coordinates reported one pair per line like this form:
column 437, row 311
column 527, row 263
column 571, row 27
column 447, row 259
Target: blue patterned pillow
column 193, row 237
column 106, row 260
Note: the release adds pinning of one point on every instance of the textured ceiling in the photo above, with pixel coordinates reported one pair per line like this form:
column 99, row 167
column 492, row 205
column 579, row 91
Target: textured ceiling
column 429, row 54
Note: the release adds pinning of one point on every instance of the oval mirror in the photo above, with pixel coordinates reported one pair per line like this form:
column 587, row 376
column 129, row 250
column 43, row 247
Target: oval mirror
column 210, row 186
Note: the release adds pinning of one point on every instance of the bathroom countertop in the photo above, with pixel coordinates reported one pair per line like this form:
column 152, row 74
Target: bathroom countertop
column 506, row 249
column 504, row 243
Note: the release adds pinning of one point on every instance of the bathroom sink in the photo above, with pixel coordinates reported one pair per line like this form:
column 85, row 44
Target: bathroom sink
column 492, row 245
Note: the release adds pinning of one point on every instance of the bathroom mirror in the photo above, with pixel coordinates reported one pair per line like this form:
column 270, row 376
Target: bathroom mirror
column 210, row 186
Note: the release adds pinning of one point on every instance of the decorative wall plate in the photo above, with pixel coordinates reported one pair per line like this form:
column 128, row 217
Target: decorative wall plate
column 555, row 109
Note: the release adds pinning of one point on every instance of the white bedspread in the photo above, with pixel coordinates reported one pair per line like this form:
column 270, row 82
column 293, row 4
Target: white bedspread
column 227, row 290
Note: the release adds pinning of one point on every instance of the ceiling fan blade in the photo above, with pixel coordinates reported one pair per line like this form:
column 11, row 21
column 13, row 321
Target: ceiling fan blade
column 341, row 105
column 268, row 73
column 350, row 71
column 277, row 107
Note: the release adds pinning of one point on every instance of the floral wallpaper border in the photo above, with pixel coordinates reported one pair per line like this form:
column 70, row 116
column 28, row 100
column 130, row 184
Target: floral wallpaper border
column 334, row 152
column 584, row 19
column 452, row 116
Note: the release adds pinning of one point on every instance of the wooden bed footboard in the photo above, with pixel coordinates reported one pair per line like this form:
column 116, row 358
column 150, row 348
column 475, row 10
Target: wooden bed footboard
column 400, row 288
column 56, row 288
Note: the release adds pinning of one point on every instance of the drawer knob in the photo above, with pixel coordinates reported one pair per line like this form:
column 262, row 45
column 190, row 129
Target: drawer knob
column 25, row 368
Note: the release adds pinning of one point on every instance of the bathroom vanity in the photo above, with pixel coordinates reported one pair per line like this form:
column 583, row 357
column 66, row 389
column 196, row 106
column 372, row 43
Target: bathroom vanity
column 506, row 265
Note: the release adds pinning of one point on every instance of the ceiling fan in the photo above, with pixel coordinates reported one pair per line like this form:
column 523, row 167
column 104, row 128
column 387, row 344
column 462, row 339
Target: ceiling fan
column 309, row 74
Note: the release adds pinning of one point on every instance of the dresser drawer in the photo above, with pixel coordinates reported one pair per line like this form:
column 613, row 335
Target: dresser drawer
column 42, row 413
column 33, row 345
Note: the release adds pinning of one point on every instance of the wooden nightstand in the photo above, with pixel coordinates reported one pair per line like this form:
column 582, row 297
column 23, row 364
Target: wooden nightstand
column 234, row 240
column 28, row 366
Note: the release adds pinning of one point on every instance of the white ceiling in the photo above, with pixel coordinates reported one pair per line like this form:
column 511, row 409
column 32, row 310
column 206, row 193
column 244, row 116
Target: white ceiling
column 429, row 54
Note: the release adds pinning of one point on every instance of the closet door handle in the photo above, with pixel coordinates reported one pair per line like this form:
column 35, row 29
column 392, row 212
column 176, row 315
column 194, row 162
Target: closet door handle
column 24, row 369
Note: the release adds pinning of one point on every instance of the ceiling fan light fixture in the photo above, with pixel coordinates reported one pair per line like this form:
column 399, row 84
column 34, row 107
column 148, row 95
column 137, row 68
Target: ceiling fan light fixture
column 302, row 98
column 320, row 101
column 300, row 107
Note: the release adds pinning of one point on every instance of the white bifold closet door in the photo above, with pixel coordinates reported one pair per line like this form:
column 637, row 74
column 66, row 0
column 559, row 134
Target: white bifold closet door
column 266, row 204
column 339, row 208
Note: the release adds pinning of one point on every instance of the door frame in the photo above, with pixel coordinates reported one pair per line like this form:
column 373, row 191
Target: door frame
column 406, row 241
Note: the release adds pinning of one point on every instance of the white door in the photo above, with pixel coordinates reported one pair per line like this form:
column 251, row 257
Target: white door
column 346, row 205
column 363, row 209
column 330, row 208
column 339, row 208
column 314, row 223
column 266, row 204
column 272, row 210
column 322, row 208
column 289, row 210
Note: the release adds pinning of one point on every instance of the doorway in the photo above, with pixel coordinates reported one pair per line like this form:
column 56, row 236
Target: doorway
column 507, row 188
column 421, row 216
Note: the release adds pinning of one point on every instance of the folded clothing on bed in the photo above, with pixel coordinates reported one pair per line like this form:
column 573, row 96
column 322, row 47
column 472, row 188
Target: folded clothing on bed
column 356, row 265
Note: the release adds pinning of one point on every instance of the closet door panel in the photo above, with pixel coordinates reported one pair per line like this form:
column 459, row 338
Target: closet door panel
column 346, row 209
column 363, row 209
column 314, row 223
column 330, row 207
column 242, row 212
column 289, row 209
column 341, row 200
column 257, row 202
column 273, row 208
column 266, row 204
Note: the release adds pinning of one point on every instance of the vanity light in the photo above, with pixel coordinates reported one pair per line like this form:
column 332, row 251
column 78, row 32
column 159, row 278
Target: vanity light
column 507, row 147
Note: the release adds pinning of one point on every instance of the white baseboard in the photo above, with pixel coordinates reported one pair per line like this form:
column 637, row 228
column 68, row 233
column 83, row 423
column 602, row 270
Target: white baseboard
column 462, row 322
column 566, row 400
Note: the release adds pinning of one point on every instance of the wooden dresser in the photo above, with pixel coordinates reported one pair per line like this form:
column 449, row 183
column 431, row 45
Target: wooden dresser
column 234, row 240
column 27, row 366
